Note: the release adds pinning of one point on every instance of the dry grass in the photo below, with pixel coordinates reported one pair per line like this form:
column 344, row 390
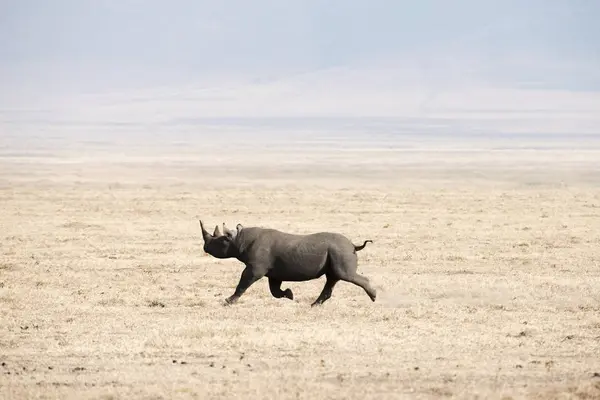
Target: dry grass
column 486, row 288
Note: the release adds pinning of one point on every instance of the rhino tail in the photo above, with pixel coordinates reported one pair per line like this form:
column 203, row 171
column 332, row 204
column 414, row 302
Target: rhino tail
column 362, row 246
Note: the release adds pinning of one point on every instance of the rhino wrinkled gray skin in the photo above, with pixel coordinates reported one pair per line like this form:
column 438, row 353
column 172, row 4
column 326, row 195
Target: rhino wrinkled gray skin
column 282, row 256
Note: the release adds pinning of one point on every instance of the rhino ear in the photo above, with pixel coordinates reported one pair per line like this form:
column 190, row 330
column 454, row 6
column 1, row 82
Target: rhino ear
column 229, row 233
column 239, row 227
column 217, row 232
column 226, row 231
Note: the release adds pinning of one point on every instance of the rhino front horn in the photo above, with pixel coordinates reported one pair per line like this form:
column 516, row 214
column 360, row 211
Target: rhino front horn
column 205, row 235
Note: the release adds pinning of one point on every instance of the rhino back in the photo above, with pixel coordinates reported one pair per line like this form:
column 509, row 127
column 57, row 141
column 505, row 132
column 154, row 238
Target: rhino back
column 299, row 257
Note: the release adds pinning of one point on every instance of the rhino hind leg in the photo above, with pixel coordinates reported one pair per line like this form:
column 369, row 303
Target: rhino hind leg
column 326, row 292
column 344, row 268
column 363, row 282
column 275, row 287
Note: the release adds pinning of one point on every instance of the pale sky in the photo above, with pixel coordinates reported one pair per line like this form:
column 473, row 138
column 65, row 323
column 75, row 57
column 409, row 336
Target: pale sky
column 385, row 52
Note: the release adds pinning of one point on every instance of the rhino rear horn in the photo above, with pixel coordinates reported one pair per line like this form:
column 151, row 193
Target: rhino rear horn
column 217, row 232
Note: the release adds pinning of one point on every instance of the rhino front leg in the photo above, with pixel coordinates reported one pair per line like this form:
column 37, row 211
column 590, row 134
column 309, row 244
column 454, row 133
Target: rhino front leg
column 249, row 276
column 275, row 287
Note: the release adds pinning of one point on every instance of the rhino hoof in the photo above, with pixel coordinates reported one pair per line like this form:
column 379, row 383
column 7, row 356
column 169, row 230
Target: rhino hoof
column 288, row 294
column 229, row 301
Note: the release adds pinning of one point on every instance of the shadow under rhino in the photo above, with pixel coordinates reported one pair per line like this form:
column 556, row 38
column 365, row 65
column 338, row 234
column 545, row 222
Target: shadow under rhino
column 282, row 256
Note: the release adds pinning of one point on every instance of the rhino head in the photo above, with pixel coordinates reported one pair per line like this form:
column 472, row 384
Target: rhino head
column 220, row 245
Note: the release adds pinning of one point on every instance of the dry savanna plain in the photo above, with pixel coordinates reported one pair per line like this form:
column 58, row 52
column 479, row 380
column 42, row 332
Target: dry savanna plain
column 485, row 257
